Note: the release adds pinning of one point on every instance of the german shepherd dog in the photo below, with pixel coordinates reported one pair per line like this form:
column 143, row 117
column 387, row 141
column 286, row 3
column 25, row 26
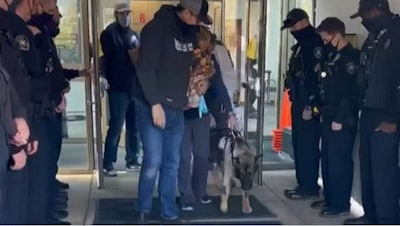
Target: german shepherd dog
column 235, row 160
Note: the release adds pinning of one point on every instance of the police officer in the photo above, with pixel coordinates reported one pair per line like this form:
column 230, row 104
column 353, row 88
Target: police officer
column 14, row 131
column 302, row 83
column 59, row 86
column 339, row 117
column 379, row 135
column 9, row 105
column 33, row 45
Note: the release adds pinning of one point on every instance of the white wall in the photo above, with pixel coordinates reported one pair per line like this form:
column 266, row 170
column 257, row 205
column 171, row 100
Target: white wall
column 343, row 9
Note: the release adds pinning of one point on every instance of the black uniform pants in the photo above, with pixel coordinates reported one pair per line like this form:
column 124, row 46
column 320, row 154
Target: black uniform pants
column 4, row 155
column 305, row 140
column 380, row 173
column 39, row 173
column 55, row 132
column 337, row 165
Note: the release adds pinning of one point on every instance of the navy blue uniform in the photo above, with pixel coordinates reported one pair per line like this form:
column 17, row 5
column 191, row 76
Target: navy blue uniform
column 35, row 54
column 302, row 82
column 15, row 193
column 379, row 151
column 338, row 84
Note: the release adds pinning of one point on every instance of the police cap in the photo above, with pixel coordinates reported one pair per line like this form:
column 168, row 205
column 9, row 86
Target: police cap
column 294, row 16
column 366, row 5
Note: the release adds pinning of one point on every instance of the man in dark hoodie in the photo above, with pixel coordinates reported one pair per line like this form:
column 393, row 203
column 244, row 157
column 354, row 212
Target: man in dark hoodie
column 163, row 72
column 119, row 44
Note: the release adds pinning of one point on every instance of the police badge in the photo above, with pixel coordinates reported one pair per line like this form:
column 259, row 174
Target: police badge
column 318, row 52
column 351, row 68
column 22, row 42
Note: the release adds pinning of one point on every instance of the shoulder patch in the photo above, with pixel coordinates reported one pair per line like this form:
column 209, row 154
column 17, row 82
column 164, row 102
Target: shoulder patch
column 318, row 52
column 351, row 68
column 22, row 42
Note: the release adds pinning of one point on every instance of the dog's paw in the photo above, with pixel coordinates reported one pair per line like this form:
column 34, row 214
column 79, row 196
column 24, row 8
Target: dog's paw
column 224, row 207
column 247, row 210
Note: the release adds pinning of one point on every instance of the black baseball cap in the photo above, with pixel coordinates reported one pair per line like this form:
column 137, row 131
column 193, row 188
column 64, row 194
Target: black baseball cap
column 199, row 8
column 366, row 5
column 294, row 16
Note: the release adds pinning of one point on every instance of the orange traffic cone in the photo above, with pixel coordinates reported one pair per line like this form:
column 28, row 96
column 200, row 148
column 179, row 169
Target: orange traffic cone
column 285, row 122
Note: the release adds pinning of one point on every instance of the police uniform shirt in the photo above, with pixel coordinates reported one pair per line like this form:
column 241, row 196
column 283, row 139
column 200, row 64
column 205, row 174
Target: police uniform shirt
column 338, row 78
column 30, row 47
column 12, row 63
column 379, row 58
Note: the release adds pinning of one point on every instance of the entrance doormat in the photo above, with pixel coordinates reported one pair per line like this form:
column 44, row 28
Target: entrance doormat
column 121, row 212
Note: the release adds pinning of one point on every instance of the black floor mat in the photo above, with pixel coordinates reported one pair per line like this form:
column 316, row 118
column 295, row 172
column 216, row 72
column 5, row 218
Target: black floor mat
column 121, row 211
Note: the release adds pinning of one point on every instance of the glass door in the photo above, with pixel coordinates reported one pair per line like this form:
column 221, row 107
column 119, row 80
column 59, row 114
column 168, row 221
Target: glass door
column 73, row 49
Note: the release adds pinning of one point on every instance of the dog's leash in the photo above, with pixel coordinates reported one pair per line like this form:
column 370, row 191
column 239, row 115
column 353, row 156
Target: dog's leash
column 231, row 136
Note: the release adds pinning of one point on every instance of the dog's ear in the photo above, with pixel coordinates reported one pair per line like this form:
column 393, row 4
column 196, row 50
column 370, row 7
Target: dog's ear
column 256, row 159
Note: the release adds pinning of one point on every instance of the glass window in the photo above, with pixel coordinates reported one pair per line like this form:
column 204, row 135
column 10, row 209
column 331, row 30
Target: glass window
column 74, row 153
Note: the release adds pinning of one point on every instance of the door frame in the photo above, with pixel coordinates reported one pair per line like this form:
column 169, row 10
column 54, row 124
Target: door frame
column 85, row 29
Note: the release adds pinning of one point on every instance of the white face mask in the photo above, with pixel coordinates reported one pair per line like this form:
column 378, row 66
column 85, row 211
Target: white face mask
column 124, row 21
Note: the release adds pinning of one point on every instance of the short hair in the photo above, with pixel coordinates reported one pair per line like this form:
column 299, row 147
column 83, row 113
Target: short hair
column 332, row 25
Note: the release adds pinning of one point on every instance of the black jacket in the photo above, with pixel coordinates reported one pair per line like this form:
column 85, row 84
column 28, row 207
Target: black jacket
column 339, row 84
column 165, row 57
column 13, row 63
column 58, row 80
column 34, row 58
column 310, row 54
column 119, row 70
column 382, row 69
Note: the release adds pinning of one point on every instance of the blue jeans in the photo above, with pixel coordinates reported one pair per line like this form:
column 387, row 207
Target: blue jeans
column 121, row 109
column 160, row 156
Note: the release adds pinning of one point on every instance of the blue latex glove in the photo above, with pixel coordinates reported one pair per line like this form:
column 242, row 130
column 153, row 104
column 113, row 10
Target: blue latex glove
column 202, row 107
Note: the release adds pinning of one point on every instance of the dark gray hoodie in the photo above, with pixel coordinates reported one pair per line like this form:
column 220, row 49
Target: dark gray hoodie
column 164, row 58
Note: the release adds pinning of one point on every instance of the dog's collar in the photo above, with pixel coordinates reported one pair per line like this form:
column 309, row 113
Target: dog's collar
column 231, row 136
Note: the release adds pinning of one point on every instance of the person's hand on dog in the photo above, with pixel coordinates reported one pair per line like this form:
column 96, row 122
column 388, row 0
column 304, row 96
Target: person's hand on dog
column 158, row 115
column 232, row 122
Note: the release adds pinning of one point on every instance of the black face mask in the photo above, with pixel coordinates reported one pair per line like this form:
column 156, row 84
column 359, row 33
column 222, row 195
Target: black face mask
column 303, row 34
column 41, row 20
column 330, row 48
column 53, row 29
column 378, row 23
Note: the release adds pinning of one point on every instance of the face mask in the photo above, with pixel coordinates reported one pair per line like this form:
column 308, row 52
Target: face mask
column 330, row 47
column 303, row 34
column 378, row 23
column 41, row 20
column 53, row 29
column 124, row 21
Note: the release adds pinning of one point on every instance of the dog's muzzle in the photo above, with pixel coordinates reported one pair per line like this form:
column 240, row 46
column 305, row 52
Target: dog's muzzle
column 247, row 183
